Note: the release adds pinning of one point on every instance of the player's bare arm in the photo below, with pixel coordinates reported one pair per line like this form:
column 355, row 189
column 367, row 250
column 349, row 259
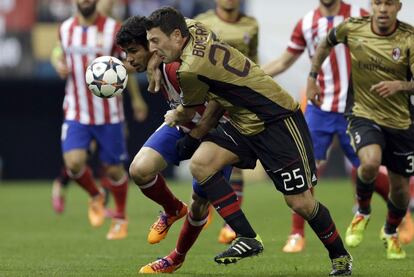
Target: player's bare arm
column 389, row 88
column 179, row 115
column 188, row 144
column 58, row 61
column 210, row 118
column 312, row 89
column 281, row 64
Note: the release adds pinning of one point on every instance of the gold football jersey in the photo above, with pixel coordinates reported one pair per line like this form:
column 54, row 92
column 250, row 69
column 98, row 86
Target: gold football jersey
column 377, row 58
column 242, row 35
column 211, row 69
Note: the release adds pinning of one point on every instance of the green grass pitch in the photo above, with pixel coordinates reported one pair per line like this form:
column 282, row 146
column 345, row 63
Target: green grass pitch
column 36, row 242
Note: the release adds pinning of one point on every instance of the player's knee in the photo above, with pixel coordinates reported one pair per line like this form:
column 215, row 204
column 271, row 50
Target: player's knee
column 369, row 170
column 140, row 172
column 303, row 203
column 115, row 172
column 74, row 166
column 199, row 169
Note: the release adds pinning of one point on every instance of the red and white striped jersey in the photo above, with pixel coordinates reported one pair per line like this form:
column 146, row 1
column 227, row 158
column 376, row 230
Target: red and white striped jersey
column 334, row 76
column 172, row 94
column 81, row 45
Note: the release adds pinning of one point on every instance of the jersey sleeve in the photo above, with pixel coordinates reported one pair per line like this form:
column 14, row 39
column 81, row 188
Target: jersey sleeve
column 297, row 42
column 339, row 34
column 194, row 91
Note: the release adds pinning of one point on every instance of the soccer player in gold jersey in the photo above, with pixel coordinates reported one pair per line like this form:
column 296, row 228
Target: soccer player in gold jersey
column 265, row 123
column 241, row 32
column 380, row 125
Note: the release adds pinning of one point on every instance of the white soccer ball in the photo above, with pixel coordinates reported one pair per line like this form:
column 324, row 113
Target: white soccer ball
column 106, row 77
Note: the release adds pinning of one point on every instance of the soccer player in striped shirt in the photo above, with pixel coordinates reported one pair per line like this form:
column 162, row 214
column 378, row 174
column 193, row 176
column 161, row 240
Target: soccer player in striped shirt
column 325, row 115
column 82, row 38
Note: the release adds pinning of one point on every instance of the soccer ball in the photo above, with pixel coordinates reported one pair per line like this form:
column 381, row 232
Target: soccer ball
column 106, row 77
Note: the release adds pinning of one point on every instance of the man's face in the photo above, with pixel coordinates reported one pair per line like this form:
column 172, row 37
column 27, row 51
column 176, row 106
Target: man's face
column 166, row 47
column 228, row 5
column 384, row 13
column 137, row 56
column 86, row 7
column 328, row 3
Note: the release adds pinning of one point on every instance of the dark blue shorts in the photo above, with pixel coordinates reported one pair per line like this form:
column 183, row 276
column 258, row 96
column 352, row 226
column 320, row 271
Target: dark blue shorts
column 323, row 126
column 164, row 139
column 109, row 137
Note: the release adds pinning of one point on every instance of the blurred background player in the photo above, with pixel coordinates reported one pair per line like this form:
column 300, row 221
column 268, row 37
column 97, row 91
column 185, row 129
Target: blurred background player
column 82, row 38
column 140, row 111
column 325, row 116
column 378, row 111
column 241, row 32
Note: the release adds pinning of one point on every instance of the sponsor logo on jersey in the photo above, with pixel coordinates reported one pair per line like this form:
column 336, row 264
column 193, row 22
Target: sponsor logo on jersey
column 396, row 53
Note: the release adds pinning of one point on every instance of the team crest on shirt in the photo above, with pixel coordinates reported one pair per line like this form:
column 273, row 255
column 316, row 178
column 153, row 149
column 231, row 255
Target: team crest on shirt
column 396, row 53
column 246, row 38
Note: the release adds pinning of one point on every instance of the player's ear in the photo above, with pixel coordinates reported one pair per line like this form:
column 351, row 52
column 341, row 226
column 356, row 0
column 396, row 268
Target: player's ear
column 399, row 6
column 176, row 35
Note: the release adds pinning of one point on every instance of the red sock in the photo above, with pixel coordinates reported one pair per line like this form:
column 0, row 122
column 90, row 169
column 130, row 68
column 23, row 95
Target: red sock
column 412, row 187
column 298, row 225
column 86, row 181
column 119, row 191
column 158, row 191
column 188, row 235
column 382, row 184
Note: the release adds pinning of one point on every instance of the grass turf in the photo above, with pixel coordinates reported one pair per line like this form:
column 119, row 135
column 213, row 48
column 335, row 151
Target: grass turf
column 34, row 241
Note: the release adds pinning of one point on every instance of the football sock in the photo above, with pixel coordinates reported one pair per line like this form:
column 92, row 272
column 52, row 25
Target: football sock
column 119, row 191
column 364, row 193
column 188, row 235
column 382, row 185
column 394, row 217
column 63, row 177
column 324, row 227
column 224, row 199
column 298, row 224
column 237, row 183
column 158, row 191
column 86, row 181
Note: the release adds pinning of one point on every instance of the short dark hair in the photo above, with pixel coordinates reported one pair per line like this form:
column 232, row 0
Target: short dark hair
column 167, row 19
column 132, row 31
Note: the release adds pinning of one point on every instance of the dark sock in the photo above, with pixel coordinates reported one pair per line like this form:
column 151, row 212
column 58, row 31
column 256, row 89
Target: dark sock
column 63, row 177
column 364, row 193
column 394, row 217
column 224, row 199
column 324, row 227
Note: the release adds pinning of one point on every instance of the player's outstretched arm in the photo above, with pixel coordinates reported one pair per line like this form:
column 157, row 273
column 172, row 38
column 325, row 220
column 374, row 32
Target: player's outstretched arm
column 210, row 118
column 57, row 59
column 321, row 53
column 280, row 64
column 179, row 115
column 188, row 144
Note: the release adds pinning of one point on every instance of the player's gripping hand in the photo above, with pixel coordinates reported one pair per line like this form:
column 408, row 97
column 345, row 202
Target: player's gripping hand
column 154, row 74
column 313, row 92
column 186, row 146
